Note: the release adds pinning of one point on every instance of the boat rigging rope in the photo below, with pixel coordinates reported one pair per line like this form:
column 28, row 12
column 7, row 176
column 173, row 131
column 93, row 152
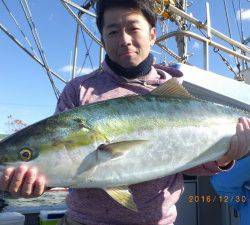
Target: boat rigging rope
column 17, row 42
column 34, row 32
column 178, row 58
column 164, row 30
column 87, row 55
column 240, row 34
column 237, row 62
column 87, row 5
column 241, row 24
column 238, row 77
column 19, row 28
column 71, row 12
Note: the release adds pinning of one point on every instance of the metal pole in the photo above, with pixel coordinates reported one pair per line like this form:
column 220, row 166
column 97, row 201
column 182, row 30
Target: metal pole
column 75, row 50
column 203, row 26
column 81, row 24
column 206, row 44
column 81, row 9
column 171, row 53
column 246, row 42
column 185, row 40
column 35, row 34
column 19, row 28
column 182, row 40
column 101, row 56
column 203, row 39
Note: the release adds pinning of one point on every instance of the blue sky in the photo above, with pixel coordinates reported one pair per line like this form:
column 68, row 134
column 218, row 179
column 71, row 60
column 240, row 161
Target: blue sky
column 25, row 91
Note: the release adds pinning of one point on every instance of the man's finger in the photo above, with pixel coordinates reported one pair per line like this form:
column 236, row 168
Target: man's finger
column 17, row 180
column 246, row 126
column 231, row 154
column 241, row 139
column 234, row 147
column 28, row 185
column 39, row 186
column 6, row 178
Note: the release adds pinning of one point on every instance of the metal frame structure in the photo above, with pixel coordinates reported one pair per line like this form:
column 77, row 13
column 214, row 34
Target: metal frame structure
column 175, row 10
column 169, row 10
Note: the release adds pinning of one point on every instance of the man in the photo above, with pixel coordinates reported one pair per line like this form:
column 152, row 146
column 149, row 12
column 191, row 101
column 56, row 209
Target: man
column 234, row 187
column 128, row 32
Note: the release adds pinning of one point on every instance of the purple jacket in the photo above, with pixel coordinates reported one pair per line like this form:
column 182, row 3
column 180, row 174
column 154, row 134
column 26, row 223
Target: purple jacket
column 155, row 199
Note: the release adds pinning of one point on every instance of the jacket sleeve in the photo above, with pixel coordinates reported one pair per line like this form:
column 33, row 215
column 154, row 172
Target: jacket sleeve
column 231, row 183
column 208, row 169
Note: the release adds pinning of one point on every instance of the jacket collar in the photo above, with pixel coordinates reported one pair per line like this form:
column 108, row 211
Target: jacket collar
column 156, row 76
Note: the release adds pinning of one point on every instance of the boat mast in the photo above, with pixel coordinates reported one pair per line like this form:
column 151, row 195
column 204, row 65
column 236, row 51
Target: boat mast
column 180, row 39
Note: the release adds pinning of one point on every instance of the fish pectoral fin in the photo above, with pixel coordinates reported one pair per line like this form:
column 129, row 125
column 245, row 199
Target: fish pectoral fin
column 119, row 148
column 172, row 88
column 123, row 196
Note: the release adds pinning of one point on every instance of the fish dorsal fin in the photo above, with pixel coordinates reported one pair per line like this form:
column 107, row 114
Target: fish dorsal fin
column 123, row 196
column 172, row 88
column 119, row 148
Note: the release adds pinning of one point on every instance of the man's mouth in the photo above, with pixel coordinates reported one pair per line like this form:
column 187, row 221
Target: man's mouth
column 127, row 53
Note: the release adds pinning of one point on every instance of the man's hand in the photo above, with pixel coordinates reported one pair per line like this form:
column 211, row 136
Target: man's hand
column 240, row 143
column 22, row 182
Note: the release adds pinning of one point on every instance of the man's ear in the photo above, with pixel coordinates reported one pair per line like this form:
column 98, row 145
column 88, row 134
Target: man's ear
column 152, row 36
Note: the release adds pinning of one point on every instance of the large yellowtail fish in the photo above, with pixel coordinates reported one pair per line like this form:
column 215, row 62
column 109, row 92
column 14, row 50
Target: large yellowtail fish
column 118, row 142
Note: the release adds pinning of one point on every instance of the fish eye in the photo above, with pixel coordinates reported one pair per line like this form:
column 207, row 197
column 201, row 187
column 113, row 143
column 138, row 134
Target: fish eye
column 25, row 154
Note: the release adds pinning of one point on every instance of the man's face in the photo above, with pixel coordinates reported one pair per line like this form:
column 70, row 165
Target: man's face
column 127, row 36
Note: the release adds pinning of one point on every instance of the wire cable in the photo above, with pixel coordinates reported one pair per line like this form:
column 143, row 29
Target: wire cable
column 230, row 33
column 19, row 28
column 88, row 49
column 34, row 32
column 241, row 24
column 17, row 42
column 235, row 14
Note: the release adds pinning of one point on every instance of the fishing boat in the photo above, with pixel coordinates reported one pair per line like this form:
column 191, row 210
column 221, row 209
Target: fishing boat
column 176, row 24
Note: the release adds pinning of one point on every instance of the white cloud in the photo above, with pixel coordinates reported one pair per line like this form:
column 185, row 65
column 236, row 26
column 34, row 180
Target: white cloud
column 245, row 14
column 68, row 69
column 196, row 45
column 86, row 70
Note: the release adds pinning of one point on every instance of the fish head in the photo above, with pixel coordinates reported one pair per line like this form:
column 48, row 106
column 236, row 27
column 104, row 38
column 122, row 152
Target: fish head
column 37, row 143
column 18, row 148
column 56, row 146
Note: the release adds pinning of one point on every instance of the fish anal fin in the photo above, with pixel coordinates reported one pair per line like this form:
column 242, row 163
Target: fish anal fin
column 172, row 88
column 123, row 196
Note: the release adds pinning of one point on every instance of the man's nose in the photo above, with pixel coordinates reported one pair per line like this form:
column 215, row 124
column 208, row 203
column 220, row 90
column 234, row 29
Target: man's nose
column 125, row 39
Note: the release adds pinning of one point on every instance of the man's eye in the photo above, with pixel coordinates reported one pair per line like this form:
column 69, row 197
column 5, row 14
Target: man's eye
column 112, row 32
column 135, row 29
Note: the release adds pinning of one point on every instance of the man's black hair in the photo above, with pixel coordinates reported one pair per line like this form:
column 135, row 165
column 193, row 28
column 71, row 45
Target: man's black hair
column 143, row 6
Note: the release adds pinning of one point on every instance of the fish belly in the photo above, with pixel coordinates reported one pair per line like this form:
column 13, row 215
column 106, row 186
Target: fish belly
column 167, row 151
